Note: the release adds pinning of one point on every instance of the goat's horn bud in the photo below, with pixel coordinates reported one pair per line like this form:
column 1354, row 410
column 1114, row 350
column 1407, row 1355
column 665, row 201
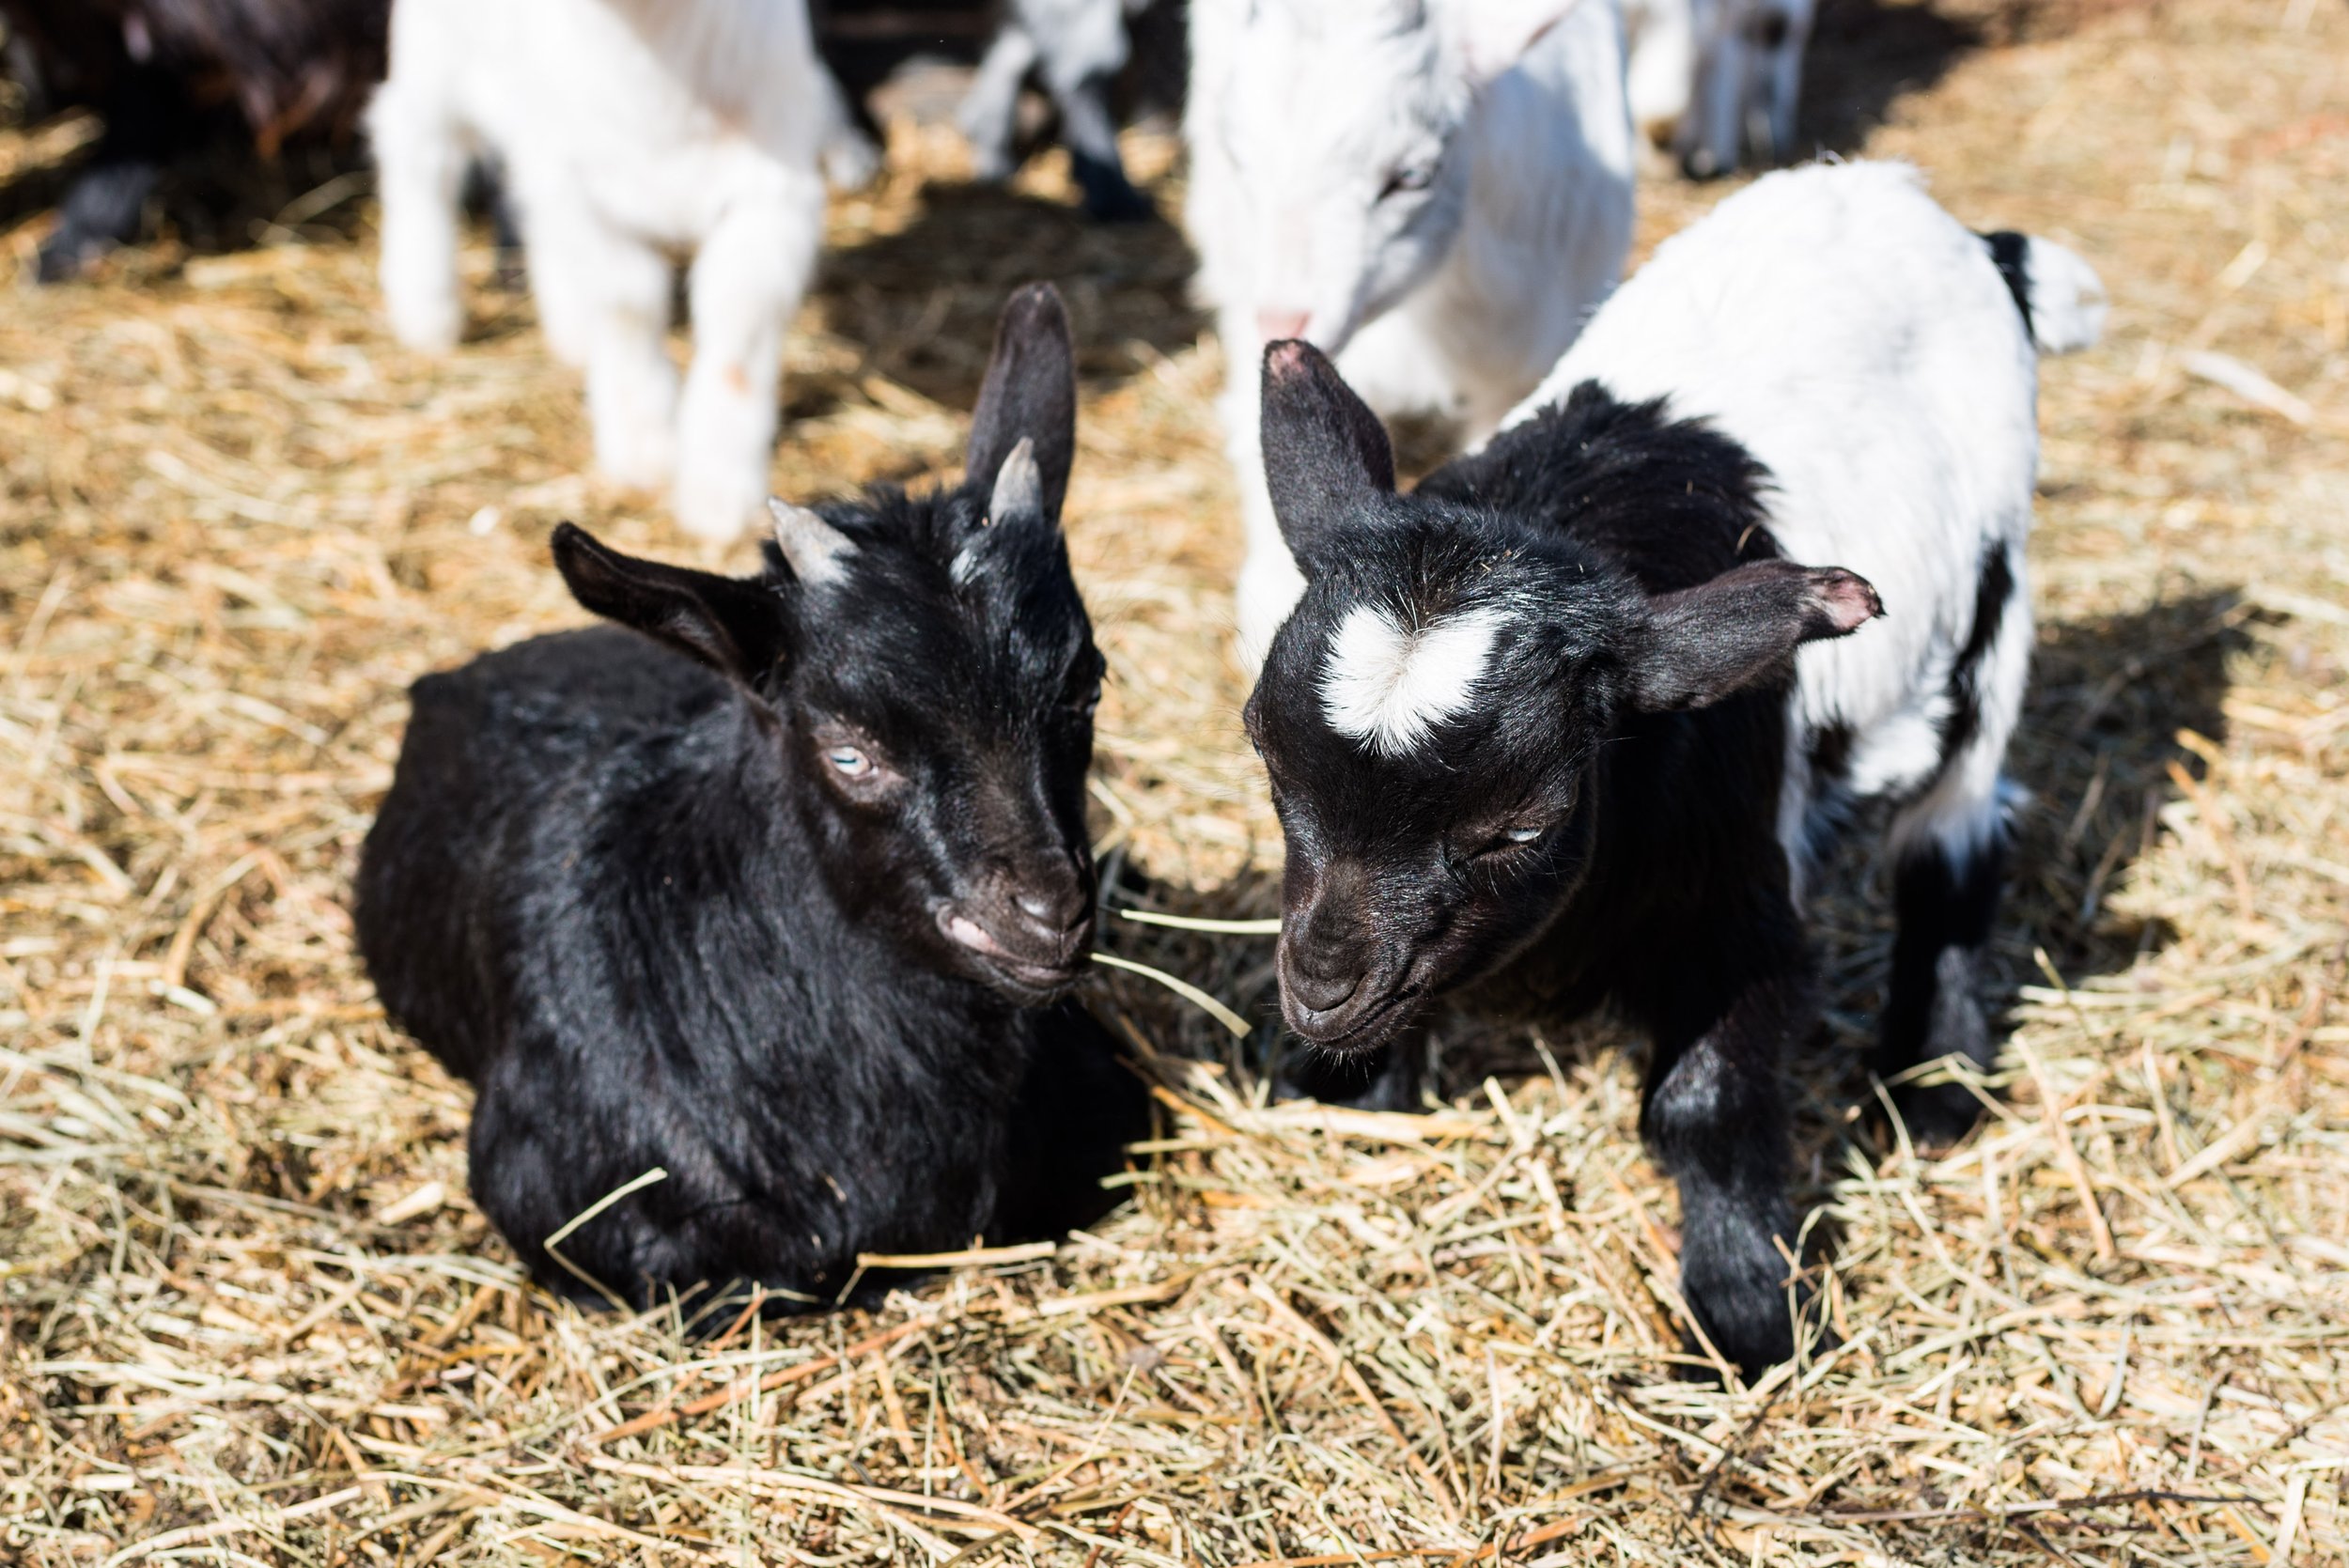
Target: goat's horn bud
column 812, row 547
column 1019, row 485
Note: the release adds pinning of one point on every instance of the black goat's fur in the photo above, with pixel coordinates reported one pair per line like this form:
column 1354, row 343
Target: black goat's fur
column 1597, row 826
column 621, row 883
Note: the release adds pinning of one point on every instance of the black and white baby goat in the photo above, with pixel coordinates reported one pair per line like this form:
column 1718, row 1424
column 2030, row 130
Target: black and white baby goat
column 782, row 891
column 1540, row 727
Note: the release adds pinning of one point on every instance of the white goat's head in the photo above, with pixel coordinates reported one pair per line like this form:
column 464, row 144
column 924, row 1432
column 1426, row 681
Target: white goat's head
column 1338, row 124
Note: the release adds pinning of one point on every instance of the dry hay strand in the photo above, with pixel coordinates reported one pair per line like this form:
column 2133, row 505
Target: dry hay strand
column 250, row 1317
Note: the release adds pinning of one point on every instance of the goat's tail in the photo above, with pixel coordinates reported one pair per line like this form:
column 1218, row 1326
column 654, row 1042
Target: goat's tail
column 2062, row 298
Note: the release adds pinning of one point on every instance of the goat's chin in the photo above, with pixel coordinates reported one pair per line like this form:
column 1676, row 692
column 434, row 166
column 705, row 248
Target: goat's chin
column 1357, row 1031
column 1027, row 984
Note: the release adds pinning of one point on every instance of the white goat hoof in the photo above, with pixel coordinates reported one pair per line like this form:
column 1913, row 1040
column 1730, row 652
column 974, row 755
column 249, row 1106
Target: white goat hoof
column 718, row 506
column 431, row 325
column 643, row 457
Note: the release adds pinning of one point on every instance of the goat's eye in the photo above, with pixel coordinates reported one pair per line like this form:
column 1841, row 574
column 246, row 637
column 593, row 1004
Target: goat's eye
column 852, row 762
column 1408, row 176
column 1515, row 837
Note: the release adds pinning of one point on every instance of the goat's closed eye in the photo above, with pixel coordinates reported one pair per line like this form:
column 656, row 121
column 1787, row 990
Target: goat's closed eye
column 850, row 761
column 1408, row 178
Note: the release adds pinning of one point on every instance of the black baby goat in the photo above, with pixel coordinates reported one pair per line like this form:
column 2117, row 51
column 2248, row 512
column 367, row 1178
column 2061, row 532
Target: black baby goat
column 781, row 891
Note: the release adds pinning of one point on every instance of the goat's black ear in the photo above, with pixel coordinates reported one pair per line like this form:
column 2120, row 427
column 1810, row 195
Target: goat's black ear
column 1701, row 644
column 1030, row 395
column 731, row 624
column 1325, row 452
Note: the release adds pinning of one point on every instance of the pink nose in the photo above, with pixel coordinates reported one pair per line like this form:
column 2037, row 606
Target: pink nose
column 1273, row 325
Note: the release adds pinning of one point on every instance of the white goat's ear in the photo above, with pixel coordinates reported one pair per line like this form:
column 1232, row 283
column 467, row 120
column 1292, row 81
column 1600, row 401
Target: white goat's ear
column 1019, row 486
column 1491, row 35
column 814, row 550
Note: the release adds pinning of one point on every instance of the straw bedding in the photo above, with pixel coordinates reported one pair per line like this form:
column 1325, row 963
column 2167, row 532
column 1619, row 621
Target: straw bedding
column 250, row 1317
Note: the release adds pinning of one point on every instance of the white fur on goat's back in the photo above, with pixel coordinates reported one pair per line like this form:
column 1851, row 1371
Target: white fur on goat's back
column 1300, row 111
column 1862, row 344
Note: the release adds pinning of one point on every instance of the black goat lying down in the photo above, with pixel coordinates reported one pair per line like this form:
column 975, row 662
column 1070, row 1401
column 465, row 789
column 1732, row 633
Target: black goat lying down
column 783, row 891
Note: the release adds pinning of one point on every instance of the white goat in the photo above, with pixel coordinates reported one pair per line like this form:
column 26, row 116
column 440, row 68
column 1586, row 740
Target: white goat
column 1881, row 362
column 1711, row 80
column 633, row 132
column 1435, row 191
column 1077, row 48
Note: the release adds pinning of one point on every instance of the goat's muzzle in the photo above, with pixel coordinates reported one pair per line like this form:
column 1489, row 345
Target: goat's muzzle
column 1031, row 935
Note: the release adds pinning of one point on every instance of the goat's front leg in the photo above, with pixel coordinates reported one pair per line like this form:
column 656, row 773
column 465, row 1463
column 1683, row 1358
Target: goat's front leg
column 420, row 170
column 603, row 300
column 106, row 204
column 1716, row 1119
column 746, row 284
column 990, row 110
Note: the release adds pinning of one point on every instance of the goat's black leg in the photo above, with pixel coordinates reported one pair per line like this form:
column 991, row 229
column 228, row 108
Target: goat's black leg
column 106, row 204
column 1080, row 1104
column 1091, row 136
column 1946, row 902
column 1715, row 1118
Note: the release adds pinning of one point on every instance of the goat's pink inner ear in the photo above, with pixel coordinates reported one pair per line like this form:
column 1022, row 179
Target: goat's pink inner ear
column 1287, row 360
column 1849, row 599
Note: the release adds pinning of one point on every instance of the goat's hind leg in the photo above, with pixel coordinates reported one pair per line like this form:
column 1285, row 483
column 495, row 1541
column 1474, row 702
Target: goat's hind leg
column 1949, row 856
column 1946, row 892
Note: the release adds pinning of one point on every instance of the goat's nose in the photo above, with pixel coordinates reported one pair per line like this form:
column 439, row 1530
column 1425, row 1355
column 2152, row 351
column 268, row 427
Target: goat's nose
column 1274, row 325
column 1052, row 912
column 1321, row 993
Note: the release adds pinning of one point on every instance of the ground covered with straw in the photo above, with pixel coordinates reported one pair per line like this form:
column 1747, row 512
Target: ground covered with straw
column 250, row 1317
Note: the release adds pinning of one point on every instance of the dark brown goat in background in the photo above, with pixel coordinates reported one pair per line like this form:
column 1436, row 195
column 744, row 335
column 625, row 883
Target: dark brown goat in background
column 170, row 76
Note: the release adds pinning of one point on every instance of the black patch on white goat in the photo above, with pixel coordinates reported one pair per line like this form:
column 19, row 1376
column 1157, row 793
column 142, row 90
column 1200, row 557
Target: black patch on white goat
column 2010, row 252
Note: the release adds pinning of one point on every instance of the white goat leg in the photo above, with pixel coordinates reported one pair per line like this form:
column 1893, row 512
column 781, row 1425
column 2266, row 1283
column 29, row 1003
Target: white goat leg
column 420, row 158
column 620, row 287
column 990, row 110
column 745, row 284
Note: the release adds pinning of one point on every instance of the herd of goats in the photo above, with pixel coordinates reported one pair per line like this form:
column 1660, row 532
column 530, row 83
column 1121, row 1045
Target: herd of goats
column 756, row 916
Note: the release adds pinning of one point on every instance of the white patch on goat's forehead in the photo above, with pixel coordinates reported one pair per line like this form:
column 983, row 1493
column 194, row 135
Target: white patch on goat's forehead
column 1388, row 686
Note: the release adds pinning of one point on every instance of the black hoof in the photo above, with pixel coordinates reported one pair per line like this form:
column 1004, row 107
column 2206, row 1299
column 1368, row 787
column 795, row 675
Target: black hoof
column 1937, row 1115
column 1110, row 197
